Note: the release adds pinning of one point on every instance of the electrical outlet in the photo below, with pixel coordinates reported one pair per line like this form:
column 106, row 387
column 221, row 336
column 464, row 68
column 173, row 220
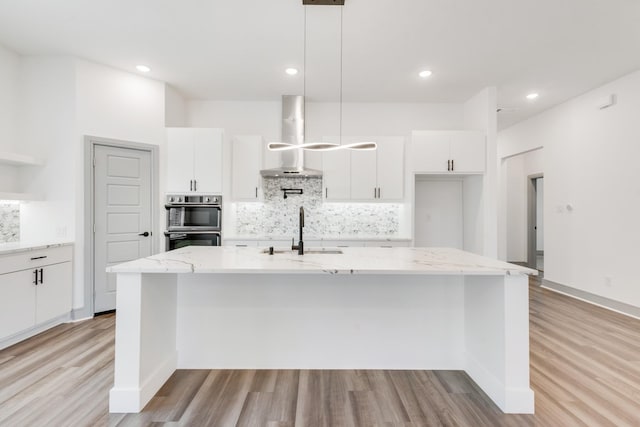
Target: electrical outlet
column 608, row 281
column 61, row 232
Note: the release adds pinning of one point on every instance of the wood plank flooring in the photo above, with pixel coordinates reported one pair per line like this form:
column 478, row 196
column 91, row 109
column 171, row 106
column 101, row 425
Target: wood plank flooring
column 585, row 371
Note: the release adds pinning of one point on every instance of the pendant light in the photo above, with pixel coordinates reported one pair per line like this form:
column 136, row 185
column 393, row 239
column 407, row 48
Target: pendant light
column 322, row 146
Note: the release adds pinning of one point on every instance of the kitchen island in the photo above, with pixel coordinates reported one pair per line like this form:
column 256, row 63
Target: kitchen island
column 362, row 308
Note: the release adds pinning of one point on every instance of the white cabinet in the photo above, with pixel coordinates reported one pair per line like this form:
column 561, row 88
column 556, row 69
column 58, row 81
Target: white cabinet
column 35, row 288
column 17, row 302
column 246, row 162
column 445, row 152
column 365, row 175
column 194, row 160
column 54, row 292
column 336, row 175
column 379, row 175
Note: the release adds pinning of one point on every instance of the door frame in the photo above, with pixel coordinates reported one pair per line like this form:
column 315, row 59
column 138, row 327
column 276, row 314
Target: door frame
column 90, row 142
column 532, row 220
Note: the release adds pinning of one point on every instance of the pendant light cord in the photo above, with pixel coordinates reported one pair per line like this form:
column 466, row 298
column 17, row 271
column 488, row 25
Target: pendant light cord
column 304, row 75
column 341, row 56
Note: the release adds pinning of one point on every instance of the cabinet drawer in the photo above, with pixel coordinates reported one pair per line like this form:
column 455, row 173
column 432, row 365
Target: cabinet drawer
column 36, row 258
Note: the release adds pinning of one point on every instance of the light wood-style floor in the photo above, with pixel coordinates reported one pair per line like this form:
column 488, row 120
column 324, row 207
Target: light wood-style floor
column 585, row 371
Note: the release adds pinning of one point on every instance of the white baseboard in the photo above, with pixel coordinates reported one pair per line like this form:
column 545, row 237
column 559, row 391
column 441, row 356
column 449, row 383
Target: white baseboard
column 28, row 333
column 509, row 400
column 604, row 302
column 133, row 400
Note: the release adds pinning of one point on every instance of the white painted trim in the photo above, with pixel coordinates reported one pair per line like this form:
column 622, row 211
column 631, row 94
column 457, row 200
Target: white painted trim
column 597, row 300
column 23, row 335
column 133, row 400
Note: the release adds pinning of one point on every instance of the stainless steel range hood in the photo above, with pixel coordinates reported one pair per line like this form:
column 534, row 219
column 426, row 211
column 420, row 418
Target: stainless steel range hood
column 292, row 161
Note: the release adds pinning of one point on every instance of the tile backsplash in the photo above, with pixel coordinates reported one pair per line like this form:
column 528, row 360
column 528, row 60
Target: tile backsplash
column 277, row 216
column 9, row 222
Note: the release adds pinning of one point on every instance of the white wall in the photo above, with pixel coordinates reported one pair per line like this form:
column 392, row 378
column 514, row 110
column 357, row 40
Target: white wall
column 47, row 131
column 175, row 113
column 9, row 71
column 518, row 168
column 117, row 105
column 62, row 100
column 480, row 114
column 592, row 191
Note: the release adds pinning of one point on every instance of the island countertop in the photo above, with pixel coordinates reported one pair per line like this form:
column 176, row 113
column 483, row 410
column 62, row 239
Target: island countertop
column 352, row 260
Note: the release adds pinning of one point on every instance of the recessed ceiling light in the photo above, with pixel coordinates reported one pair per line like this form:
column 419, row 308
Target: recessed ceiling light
column 425, row 73
column 532, row 96
column 291, row 71
column 143, row 68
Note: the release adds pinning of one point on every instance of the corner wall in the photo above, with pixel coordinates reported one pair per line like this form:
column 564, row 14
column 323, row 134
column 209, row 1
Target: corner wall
column 480, row 114
column 62, row 100
column 592, row 191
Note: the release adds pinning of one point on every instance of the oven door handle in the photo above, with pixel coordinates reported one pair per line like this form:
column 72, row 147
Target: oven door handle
column 169, row 233
column 192, row 205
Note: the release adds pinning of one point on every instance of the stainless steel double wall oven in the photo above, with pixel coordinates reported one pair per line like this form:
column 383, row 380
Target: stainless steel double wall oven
column 193, row 220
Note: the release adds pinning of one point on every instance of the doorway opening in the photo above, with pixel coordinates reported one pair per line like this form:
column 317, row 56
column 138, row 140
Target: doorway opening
column 535, row 222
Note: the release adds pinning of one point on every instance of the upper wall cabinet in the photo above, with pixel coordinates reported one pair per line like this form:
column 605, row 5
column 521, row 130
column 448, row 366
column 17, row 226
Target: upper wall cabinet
column 194, row 160
column 246, row 163
column 365, row 175
column 436, row 152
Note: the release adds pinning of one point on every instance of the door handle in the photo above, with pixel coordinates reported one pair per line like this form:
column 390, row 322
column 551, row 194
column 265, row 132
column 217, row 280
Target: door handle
column 195, row 185
column 452, row 166
column 191, row 185
column 35, row 273
column 41, row 276
column 145, row 234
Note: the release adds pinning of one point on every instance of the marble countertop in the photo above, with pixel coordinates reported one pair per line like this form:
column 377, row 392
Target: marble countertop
column 17, row 247
column 317, row 238
column 228, row 259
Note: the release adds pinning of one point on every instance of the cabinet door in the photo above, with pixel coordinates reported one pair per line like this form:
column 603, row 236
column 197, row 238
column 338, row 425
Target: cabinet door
column 430, row 151
column 180, row 158
column 468, row 152
column 207, row 169
column 53, row 295
column 246, row 163
column 390, row 167
column 17, row 302
column 336, row 177
column 363, row 175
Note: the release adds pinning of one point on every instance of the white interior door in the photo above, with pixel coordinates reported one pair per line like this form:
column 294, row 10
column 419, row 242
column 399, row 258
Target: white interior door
column 439, row 214
column 122, row 215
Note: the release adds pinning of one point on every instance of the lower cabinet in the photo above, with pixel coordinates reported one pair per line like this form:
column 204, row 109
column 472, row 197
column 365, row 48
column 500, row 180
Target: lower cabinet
column 37, row 294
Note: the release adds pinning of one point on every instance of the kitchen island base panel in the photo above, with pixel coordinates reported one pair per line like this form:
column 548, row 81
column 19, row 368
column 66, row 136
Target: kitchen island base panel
column 496, row 329
column 295, row 321
column 322, row 321
column 146, row 354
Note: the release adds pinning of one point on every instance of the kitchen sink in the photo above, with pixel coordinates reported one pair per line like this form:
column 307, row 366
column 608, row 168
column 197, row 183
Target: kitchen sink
column 324, row 251
column 307, row 252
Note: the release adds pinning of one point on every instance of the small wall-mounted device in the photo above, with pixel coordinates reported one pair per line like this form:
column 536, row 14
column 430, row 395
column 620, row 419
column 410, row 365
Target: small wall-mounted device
column 607, row 101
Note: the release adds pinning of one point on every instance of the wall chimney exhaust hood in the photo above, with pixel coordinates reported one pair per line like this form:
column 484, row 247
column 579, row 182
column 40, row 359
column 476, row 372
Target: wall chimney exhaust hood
column 292, row 135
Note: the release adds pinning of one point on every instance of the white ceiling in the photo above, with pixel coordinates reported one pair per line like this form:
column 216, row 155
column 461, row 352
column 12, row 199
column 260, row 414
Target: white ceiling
column 238, row 49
